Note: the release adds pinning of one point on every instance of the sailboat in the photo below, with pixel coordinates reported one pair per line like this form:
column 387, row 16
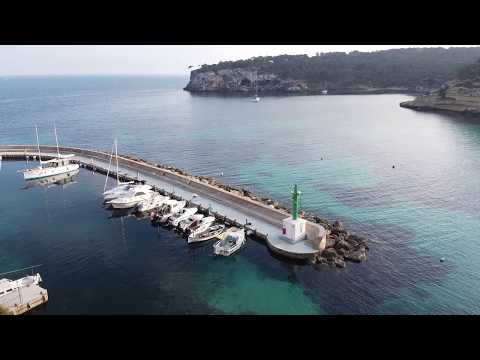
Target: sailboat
column 324, row 91
column 255, row 98
column 122, row 188
column 55, row 166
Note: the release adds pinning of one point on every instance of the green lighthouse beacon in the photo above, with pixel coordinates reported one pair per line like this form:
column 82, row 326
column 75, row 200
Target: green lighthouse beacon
column 293, row 229
column 296, row 202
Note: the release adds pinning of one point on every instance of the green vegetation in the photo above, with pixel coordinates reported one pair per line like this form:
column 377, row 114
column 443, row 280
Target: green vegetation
column 471, row 72
column 410, row 67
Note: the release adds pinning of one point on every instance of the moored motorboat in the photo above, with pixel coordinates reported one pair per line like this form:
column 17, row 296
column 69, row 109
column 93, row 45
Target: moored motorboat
column 233, row 240
column 183, row 214
column 191, row 221
column 156, row 201
column 202, row 226
column 131, row 200
column 170, row 208
column 210, row 233
column 125, row 191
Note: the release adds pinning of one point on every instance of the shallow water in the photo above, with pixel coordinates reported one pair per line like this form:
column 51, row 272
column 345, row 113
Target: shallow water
column 426, row 208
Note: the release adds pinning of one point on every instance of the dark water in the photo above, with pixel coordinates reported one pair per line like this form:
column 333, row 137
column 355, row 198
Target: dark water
column 426, row 208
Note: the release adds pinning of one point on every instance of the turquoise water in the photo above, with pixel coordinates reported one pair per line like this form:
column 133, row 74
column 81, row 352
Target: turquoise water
column 426, row 208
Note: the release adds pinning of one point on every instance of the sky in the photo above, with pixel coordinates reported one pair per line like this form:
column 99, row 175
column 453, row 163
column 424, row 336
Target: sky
column 143, row 59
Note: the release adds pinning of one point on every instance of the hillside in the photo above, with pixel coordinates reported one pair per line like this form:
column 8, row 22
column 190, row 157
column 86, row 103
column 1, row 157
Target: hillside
column 461, row 95
column 396, row 70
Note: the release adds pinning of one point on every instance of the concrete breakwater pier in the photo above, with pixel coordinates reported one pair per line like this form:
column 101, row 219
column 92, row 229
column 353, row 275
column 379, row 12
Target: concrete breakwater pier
column 232, row 205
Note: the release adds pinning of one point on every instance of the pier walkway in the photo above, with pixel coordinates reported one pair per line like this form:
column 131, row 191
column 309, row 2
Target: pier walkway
column 265, row 220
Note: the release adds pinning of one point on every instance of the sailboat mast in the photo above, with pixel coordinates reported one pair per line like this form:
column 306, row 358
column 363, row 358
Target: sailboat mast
column 116, row 156
column 108, row 171
column 56, row 138
column 38, row 145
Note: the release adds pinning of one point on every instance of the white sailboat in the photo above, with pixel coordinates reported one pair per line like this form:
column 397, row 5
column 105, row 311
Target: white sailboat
column 59, row 165
column 123, row 189
column 256, row 98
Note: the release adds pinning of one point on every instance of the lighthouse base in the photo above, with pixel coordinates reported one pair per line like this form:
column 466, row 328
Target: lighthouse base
column 294, row 230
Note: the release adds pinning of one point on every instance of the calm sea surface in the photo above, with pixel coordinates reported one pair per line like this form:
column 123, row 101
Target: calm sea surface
column 427, row 208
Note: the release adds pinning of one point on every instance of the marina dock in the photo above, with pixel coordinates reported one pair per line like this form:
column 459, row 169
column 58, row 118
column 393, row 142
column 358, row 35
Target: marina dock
column 264, row 221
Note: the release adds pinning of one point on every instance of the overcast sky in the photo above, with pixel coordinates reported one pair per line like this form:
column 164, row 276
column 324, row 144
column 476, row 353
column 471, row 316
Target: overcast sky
column 156, row 59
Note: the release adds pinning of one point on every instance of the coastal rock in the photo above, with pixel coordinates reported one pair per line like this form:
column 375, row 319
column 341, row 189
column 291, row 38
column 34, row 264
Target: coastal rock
column 339, row 262
column 338, row 226
column 357, row 255
column 329, row 254
column 342, row 244
column 330, row 243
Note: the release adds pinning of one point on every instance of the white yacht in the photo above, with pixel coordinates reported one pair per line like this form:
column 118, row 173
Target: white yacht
column 170, row 208
column 126, row 191
column 122, row 189
column 183, row 214
column 210, row 233
column 155, row 202
column 131, row 200
column 202, row 226
column 191, row 221
column 233, row 240
column 56, row 166
column 7, row 286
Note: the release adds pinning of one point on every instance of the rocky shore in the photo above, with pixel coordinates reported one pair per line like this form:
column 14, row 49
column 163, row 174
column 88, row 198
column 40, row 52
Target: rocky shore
column 459, row 96
column 341, row 245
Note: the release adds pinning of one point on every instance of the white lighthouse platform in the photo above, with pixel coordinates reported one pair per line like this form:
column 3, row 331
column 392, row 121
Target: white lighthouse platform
column 299, row 238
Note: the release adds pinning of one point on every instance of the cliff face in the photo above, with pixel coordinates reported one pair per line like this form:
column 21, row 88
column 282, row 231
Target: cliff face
column 241, row 80
column 459, row 96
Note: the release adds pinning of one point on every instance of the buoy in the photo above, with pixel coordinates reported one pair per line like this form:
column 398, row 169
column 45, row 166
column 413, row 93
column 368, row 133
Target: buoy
column 442, row 259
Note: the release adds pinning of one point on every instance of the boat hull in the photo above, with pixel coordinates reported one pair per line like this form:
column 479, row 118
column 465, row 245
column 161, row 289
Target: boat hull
column 47, row 172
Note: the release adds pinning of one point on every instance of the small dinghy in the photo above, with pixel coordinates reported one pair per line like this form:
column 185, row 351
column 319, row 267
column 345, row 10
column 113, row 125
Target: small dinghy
column 233, row 240
column 210, row 233
column 201, row 227
column 191, row 221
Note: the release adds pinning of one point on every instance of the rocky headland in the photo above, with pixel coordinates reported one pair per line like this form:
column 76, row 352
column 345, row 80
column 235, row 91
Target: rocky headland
column 414, row 71
column 458, row 96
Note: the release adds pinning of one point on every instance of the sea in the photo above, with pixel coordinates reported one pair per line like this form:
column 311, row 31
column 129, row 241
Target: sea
column 409, row 181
